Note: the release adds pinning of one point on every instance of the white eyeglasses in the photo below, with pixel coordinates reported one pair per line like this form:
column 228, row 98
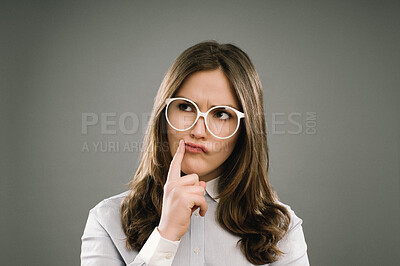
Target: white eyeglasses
column 221, row 121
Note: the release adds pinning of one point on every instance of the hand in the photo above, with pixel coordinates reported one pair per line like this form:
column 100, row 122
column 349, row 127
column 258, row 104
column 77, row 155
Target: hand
column 182, row 196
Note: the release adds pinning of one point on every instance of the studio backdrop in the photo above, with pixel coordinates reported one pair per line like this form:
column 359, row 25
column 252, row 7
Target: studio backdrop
column 78, row 81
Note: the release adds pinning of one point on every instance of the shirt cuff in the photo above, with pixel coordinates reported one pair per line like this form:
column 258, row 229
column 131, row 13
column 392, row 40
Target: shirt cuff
column 158, row 251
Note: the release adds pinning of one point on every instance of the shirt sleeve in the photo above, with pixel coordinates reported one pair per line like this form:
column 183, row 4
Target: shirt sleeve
column 158, row 251
column 98, row 249
column 293, row 245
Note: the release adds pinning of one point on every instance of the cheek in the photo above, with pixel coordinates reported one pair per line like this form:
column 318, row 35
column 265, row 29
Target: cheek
column 222, row 150
column 229, row 144
column 226, row 149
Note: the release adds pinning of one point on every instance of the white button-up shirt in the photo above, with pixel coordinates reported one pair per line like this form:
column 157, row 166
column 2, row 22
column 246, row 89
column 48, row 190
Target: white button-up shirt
column 204, row 243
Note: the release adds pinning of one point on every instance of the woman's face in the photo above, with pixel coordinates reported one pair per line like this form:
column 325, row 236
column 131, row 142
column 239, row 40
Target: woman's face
column 206, row 89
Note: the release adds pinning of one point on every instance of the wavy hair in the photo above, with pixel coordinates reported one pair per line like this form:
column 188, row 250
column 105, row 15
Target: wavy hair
column 248, row 205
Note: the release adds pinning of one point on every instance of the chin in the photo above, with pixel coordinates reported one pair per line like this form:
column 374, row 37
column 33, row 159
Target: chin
column 200, row 171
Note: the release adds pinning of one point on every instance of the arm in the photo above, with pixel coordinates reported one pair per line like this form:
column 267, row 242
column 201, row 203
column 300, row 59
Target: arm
column 98, row 248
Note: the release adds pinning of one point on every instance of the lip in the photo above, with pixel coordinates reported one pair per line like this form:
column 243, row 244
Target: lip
column 197, row 148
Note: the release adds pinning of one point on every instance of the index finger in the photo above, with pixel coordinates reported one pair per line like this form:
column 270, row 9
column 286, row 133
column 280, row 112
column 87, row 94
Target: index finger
column 175, row 167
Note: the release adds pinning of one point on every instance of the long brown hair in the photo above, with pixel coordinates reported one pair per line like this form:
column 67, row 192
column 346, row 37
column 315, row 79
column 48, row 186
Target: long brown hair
column 248, row 205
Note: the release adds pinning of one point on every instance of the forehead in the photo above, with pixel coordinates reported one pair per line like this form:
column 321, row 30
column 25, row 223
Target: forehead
column 208, row 88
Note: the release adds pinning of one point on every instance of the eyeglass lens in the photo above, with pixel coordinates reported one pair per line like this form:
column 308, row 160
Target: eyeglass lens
column 182, row 114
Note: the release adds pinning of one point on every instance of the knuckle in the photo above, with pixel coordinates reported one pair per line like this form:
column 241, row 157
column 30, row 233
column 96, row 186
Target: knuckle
column 200, row 190
column 195, row 177
column 192, row 179
column 176, row 193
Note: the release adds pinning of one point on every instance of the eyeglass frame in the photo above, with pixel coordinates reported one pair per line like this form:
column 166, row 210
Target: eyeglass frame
column 239, row 114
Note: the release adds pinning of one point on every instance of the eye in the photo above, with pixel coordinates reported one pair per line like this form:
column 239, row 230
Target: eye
column 185, row 107
column 223, row 115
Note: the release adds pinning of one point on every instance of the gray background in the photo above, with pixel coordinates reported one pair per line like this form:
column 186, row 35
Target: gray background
column 339, row 59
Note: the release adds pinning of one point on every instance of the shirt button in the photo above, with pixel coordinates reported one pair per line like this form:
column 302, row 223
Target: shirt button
column 196, row 250
column 168, row 255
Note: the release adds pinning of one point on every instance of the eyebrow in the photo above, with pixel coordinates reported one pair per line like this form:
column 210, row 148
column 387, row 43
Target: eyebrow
column 179, row 96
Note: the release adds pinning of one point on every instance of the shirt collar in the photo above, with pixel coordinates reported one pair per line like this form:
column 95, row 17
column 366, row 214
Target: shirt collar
column 212, row 188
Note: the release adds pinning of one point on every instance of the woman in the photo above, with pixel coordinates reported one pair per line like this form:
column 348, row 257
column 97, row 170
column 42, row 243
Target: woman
column 204, row 152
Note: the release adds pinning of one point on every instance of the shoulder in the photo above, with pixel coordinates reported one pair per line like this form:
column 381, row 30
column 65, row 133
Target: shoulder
column 293, row 244
column 295, row 221
column 104, row 227
column 107, row 211
column 111, row 201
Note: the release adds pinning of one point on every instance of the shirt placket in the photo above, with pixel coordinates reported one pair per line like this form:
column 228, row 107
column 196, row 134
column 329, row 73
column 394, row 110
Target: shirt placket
column 197, row 239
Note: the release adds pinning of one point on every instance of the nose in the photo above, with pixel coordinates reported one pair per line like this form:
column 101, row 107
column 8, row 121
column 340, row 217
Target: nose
column 199, row 129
